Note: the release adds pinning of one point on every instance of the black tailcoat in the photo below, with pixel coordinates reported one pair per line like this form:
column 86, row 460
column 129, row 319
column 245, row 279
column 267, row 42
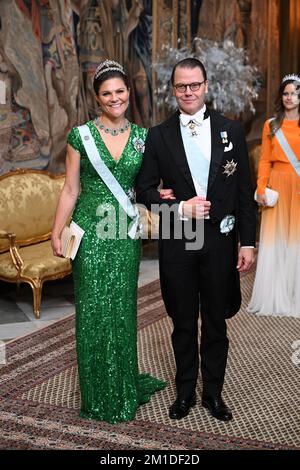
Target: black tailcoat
column 207, row 276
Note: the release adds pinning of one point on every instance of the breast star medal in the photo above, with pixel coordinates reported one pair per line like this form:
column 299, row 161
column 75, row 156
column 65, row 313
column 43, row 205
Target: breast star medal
column 229, row 168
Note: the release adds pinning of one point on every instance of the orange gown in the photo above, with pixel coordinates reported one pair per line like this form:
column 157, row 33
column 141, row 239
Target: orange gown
column 276, row 289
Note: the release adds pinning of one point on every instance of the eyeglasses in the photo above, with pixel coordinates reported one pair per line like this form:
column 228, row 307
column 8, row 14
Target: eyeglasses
column 192, row 86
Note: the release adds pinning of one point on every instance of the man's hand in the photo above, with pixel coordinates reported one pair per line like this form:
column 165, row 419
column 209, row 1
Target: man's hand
column 245, row 259
column 196, row 208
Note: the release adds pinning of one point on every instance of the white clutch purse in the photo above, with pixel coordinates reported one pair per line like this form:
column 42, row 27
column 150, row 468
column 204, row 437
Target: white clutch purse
column 70, row 240
column 271, row 196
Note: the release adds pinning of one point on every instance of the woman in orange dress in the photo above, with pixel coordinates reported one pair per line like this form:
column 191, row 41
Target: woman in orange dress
column 276, row 289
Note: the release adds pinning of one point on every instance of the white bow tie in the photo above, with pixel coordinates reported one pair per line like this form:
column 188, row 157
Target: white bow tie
column 197, row 118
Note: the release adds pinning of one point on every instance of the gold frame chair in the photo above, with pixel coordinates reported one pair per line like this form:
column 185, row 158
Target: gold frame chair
column 16, row 243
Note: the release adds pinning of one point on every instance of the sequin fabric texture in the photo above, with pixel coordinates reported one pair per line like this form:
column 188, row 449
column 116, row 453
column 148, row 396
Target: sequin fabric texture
column 105, row 273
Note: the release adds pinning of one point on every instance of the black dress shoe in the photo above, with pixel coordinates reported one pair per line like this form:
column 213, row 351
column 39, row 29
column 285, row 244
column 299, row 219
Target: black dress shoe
column 181, row 407
column 217, row 407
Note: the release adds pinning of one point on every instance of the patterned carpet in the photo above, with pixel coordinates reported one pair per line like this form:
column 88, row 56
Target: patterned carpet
column 40, row 395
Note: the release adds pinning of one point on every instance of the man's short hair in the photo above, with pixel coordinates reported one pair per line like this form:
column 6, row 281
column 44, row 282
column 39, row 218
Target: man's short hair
column 189, row 63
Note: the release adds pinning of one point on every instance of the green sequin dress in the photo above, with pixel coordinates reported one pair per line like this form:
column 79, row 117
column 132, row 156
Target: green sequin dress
column 105, row 273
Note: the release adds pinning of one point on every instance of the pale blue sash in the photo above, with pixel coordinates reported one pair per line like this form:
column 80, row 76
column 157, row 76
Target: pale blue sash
column 109, row 179
column 288, row 151
column 198, row 164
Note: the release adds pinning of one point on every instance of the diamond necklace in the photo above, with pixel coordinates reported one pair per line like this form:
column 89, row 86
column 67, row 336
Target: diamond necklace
column 111, row 130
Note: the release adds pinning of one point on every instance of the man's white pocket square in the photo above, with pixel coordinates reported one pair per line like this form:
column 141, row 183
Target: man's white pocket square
column 230, row 147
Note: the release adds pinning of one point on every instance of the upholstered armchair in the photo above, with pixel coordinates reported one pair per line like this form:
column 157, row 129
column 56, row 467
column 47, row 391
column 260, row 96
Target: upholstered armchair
column 28, row 200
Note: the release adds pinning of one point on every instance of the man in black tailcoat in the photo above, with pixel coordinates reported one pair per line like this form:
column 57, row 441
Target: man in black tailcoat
column 203, row 157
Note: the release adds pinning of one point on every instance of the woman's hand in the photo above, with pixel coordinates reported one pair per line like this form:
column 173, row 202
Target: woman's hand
column 167, row 194
column 56, row 244
column 261, row 199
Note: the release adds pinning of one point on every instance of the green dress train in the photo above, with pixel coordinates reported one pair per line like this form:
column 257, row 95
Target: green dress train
column 105, row 273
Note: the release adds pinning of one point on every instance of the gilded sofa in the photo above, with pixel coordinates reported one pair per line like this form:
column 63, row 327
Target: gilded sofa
column 28, row 200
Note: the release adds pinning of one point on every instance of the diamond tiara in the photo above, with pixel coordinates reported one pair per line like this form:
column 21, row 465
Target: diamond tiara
column 291, row 76
column 108, row 66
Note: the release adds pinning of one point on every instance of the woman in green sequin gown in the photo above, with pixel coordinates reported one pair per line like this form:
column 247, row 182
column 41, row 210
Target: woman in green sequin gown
column 105, row 274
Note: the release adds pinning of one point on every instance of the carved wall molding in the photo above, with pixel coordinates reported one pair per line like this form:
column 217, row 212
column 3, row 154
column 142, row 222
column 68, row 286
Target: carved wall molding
column 171, row 26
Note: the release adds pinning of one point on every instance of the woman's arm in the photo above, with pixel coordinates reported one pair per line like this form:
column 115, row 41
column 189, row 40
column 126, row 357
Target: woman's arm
column 265, row 162
column 68, row 198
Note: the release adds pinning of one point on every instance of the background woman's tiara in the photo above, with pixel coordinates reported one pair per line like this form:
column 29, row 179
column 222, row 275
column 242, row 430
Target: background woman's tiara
column 291, row 76
column 108, row 66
